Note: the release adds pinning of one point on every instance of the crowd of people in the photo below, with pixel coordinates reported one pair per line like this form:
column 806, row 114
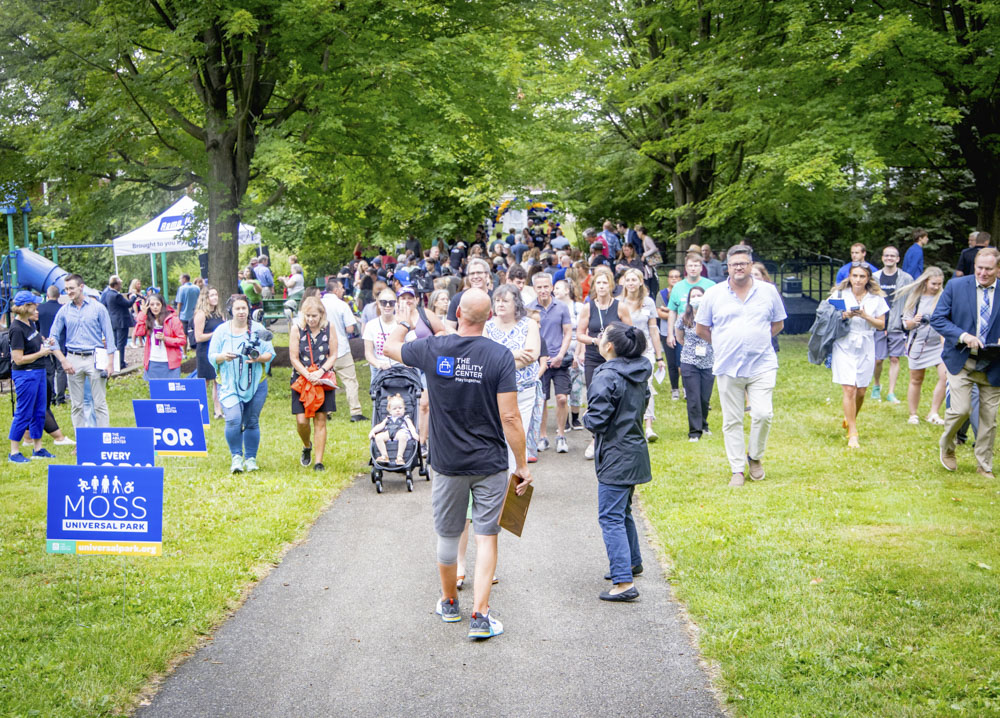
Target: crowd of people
column 501, row 326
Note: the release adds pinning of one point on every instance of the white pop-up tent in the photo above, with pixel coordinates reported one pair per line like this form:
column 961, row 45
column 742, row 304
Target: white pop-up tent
column 164, row 233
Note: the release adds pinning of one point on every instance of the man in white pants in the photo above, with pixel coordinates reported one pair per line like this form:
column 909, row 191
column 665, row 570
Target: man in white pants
column 739, row 318
column 341, row 318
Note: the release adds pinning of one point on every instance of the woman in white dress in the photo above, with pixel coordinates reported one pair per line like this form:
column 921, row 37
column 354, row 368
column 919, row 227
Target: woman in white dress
column 854, row 353
column 924, row 345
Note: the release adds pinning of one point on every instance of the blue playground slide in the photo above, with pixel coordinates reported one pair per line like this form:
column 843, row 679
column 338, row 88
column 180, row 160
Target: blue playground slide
column 38, row 273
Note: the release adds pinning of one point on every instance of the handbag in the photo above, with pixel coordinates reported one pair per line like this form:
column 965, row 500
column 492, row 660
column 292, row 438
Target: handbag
column 329, row 378
column 655, row 259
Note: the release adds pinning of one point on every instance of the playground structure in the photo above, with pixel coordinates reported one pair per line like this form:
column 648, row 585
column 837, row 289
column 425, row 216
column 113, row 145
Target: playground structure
column 25, row 268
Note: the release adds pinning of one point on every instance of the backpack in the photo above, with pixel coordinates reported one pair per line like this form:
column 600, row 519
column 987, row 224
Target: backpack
column 5, row 360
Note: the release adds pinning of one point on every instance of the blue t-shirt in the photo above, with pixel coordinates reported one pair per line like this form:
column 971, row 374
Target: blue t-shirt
column 187, row 300
column 464, row 376
column 846, row 270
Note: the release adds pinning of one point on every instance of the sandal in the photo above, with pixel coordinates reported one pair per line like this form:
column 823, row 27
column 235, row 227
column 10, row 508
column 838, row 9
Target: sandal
column 852, row 442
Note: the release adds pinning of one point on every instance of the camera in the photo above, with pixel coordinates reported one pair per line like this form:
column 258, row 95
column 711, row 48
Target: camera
column 925, row 320
column 251, row 349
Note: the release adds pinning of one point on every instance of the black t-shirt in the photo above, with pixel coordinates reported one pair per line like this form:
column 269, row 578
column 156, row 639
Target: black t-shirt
column 464, row 376
column 967, row 260
column 455, row 258
column 28, row 339
column 888, row 284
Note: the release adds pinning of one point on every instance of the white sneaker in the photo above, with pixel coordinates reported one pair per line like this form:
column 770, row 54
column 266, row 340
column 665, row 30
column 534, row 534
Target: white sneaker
column 651, row 436
column 588, row 453
column 914, row 419
column 693, row 439
column 236, row 466
column 561, row 446
column 65, row 441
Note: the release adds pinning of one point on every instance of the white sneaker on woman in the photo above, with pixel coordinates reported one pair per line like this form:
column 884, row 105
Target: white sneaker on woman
column 588, row 453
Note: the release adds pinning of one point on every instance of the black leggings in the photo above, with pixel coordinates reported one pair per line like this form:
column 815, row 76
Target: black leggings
column 589, row 365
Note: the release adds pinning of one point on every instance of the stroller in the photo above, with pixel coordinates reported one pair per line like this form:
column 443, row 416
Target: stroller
column 405, row 381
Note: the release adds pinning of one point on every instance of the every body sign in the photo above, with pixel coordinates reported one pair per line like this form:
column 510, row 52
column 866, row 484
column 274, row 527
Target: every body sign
column 105, row 510
column 115, row 447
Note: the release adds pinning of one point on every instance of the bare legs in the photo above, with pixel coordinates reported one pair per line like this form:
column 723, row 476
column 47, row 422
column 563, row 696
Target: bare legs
column 319, row 425
column 854, row 398
column 916, row 382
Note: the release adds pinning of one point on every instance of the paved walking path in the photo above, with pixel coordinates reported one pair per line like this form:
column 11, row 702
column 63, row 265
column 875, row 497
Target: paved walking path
column 346, row 624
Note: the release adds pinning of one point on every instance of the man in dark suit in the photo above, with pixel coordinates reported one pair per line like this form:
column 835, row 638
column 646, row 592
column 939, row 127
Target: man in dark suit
column 47, row 311
column 967, row 317
column 121, row 316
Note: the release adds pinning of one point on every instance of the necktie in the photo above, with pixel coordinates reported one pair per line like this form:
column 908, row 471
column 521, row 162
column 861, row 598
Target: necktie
column 984, row 314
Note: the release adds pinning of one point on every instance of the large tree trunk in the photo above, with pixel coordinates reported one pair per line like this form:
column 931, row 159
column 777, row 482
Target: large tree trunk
column 226, row 188
column 688, row 228
column 988, row 214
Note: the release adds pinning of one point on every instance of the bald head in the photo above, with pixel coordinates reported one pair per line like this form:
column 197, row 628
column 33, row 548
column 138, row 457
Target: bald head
column 473, row 310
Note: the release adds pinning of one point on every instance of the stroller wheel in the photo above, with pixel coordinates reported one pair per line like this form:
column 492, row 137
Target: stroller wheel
column 373, row 476
column 423, row 472
column 409, row 484
column 378, row 486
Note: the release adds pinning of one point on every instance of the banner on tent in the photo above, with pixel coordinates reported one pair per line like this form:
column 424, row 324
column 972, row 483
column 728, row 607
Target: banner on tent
column 170, row 232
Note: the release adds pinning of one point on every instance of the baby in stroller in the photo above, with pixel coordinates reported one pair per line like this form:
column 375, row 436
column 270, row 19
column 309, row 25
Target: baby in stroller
column 395, row 426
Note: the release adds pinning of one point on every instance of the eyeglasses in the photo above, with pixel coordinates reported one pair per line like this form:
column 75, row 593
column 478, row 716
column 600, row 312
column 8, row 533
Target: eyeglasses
column 739, row 265
column 389, row 303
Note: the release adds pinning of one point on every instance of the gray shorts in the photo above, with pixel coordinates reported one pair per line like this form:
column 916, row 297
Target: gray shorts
column 889, row 344
column 450, row 503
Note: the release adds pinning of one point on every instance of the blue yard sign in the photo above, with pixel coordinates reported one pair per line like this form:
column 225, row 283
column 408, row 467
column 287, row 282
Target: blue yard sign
column 176, row 425
column 105, row 510
column 115, row 447
column 181, row 389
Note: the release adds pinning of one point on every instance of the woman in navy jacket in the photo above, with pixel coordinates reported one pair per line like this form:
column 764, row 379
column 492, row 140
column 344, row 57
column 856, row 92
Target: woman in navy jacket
column 616, row 402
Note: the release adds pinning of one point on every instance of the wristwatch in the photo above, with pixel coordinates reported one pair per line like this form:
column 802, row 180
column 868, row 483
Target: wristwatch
column 406, row 325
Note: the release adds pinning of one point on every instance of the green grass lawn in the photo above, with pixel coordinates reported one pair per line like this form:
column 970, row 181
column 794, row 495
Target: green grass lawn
column 221, row 533
column 847, row 583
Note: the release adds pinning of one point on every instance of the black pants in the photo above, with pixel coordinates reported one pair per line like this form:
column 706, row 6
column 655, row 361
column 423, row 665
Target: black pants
column 673, row 361
column 121, row 339
column 653, row 284
column 51, row 426
column 698, row 387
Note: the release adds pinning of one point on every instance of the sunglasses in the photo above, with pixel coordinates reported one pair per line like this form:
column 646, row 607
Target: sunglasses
column 389, row 303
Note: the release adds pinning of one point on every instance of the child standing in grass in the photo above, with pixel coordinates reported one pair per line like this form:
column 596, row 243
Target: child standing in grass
column 616, row 402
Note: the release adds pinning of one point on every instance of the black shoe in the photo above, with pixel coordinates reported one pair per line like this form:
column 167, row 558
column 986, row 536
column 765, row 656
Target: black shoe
column 319, row 466
column 306, row 458
column 629, row 594
column 636, row 570
column 359, row 417
column 577, row 424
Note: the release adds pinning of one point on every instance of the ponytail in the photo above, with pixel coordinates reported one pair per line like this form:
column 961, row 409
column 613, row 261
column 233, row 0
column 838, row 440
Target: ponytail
column 628, row 341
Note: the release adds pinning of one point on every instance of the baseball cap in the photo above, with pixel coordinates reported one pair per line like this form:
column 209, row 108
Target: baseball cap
column 402, row 274
column 406, row 289
column 24, row 297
